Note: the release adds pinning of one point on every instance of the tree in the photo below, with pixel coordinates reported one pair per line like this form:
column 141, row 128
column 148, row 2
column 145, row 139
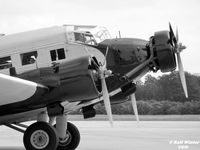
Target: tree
column 168, row 87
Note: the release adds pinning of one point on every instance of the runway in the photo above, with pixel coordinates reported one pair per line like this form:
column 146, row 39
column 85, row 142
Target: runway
column 126, row 135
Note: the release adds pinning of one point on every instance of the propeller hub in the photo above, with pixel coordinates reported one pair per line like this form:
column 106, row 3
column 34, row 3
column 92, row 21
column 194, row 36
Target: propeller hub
column 180, row 47
column 104, row 73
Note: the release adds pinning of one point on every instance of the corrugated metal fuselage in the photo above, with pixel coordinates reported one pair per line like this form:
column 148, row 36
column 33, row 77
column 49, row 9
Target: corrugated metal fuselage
column 70, row 78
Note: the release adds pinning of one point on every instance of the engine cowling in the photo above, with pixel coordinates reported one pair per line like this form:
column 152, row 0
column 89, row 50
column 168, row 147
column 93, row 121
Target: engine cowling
column 163, row 51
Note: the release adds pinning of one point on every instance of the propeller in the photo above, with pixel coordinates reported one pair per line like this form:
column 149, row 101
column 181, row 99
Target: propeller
column 178, row 47
column 103, row 73
column 134, row 104
column 105, row 93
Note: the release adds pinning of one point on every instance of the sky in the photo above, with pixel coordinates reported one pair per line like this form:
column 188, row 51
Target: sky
column 133, row 18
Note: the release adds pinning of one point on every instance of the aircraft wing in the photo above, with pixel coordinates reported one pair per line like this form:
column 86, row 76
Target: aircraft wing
column 14, row 90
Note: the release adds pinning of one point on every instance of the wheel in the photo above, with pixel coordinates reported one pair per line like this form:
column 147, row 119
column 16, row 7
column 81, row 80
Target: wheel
column 40, row 136
column 72, row 140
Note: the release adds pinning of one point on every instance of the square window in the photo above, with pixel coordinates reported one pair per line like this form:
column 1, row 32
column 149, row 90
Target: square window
column 61, row 53
column 53, row 55
column 5, row 62
column 57, row 54
column 28, row 58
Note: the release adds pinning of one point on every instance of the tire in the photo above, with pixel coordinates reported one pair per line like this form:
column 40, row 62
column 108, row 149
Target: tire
column 74, row 138
column 40, row 136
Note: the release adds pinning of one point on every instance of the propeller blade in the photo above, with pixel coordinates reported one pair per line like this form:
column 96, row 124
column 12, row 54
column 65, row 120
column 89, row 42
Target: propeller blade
column 182, row 74
column 106, row 99
column 172, row 36
column 104, row 62
column 177, row 34
column 170, row 28
column 178, row 47
column 134, row 104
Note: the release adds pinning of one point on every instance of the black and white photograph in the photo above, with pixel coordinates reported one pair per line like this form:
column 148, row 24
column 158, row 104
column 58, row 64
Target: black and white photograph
column 99, row 75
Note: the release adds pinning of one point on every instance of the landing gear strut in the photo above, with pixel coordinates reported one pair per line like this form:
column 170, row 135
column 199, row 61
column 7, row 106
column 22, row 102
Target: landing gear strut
column 72, row 139
column 43, row 136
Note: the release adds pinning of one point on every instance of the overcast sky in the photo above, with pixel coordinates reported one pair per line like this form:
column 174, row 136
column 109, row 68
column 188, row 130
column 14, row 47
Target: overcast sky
column 134, row 18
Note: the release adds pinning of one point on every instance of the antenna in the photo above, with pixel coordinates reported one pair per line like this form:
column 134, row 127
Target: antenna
column 119, row 34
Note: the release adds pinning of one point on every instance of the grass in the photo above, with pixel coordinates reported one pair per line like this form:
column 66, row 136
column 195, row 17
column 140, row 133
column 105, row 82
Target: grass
column 142, row 118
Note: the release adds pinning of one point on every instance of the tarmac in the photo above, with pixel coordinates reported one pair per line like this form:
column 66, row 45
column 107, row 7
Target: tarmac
column 125, row 135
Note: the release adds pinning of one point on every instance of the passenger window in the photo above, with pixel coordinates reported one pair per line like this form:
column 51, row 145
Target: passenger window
column 28, row 58
column 53, row 55
column 57, row 54
column 61, row 53
column 5, row 62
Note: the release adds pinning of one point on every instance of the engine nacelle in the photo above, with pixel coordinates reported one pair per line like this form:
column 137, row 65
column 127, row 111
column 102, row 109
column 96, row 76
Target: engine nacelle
column 164, row 51
column 123, row 95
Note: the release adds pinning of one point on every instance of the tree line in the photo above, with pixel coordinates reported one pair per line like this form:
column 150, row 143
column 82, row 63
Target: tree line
column 162, row 95
column 168, row 87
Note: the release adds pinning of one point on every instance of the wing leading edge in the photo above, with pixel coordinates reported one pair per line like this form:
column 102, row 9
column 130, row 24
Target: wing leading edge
column 13, row 89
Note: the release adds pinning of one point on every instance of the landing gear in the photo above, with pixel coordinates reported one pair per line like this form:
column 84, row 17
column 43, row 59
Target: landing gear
column 43, row 136
column 40, row 136
column 72, row 138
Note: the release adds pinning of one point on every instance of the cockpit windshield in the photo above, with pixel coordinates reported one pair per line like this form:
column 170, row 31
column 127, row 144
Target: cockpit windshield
column 87, row 38
column 100, row 34
column 87, row 34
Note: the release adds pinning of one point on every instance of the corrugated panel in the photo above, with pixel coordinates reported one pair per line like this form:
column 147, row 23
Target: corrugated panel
column 32, row 39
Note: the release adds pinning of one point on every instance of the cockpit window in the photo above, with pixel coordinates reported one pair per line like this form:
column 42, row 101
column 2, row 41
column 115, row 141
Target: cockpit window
column 101, row 34
column 87, row 34
column 90, row 39
column 79, row 37
column 86, row 38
